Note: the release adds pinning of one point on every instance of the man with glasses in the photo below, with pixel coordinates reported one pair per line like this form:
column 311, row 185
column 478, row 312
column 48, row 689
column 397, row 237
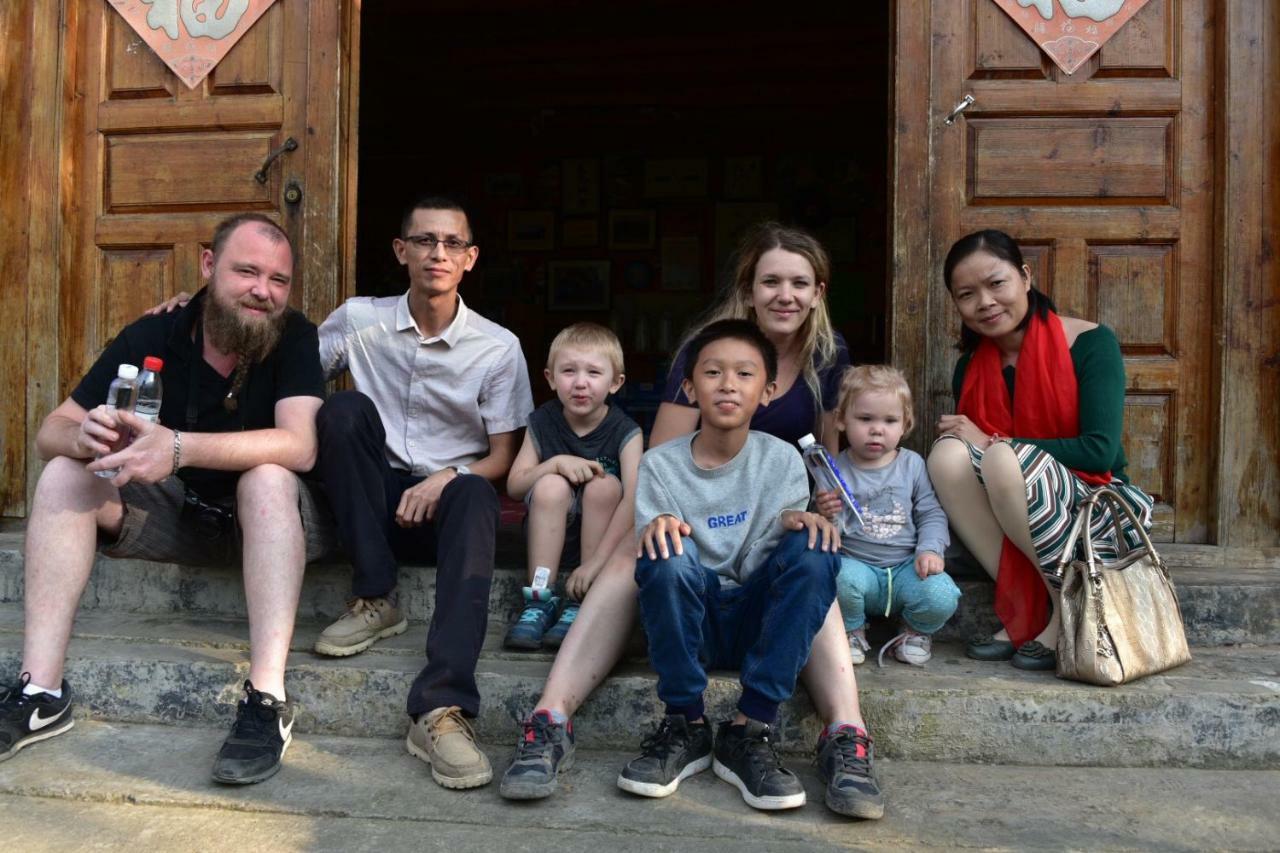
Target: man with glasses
column 408, row 461
column 212, row 482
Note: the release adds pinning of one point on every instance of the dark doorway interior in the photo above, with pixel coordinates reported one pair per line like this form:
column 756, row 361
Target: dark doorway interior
column 612, row 153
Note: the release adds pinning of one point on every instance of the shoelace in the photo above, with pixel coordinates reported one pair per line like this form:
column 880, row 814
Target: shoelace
column 254, row 716
column 362, row 607
column 761, row 752
column 452, row 721
column 533, row 614
column 661, row 742
column 570, row 613
column 534, row 736
column 860, row 639
column 14, row 702
column 848, row 744
column 906, row 638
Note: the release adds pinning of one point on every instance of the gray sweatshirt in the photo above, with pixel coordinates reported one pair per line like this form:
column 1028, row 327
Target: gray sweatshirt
column 902, row 514
column 734, row 509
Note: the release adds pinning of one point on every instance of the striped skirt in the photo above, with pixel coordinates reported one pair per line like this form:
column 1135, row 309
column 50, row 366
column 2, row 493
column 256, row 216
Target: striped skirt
column 1053, row 496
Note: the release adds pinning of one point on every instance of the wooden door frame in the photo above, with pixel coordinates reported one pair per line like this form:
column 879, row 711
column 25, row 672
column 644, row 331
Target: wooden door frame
column 1246, row 348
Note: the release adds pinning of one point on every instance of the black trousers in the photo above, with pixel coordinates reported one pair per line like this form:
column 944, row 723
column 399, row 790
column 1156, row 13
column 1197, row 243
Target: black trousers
column 365, row 491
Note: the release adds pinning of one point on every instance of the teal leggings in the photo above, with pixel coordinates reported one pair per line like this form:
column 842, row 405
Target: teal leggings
column 863, row 590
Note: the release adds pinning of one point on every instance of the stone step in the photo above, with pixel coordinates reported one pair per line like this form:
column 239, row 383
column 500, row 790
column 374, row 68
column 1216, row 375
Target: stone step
column 1220, row 605
column 1222, row 710
column 119, row 785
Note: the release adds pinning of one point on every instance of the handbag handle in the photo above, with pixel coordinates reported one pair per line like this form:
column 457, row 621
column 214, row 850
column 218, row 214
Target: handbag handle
column 1084, row 517
column 1116, row 502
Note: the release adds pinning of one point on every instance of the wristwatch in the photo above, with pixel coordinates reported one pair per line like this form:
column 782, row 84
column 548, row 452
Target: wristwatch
column 461, row 470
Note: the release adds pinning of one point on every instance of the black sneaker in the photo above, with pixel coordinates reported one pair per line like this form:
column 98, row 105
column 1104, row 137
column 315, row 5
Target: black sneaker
column 259, row 736
column 676, row 751
column 747, row 759
column 844, row 763
column 545, row 750
column 25, row 720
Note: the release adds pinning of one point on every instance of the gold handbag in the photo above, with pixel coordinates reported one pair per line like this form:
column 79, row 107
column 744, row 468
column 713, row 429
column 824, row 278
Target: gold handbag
column 1120, row 622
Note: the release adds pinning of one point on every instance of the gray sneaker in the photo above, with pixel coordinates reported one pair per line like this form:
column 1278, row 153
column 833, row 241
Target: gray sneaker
column 366, row 621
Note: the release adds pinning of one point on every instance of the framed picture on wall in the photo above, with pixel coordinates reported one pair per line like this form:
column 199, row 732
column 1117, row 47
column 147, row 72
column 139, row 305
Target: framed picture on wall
column 631, row 229
column 531, row 230
column 681, row 263
column 581, row 186
column 580, row 233
column 578, row 286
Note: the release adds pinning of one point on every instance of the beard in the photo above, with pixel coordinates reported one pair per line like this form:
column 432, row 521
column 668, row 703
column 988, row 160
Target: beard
column 251, row 338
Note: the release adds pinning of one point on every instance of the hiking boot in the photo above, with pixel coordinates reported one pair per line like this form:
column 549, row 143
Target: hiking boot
column 844, row 764
column 747, row 759
column 25, row 720
column 538, row 614
column 444, row 739
column 556, row 633
column 858, row 645
column 366, row 621
column 259, row 736
column 544, row 751
column 676, row 751
column 909, row 647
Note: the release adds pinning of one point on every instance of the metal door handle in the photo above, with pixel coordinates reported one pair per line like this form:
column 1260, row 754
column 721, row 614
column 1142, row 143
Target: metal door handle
column 290, row 144
column 965, row 103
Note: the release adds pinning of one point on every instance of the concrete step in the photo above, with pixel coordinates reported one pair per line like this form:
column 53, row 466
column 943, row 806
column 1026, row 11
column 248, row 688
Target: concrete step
column 1220, row 606
column 115, row 786
column 1222, row 710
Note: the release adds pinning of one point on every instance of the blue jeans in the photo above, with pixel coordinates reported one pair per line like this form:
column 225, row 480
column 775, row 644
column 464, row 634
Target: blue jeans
column 863, row 590
column 765, row 626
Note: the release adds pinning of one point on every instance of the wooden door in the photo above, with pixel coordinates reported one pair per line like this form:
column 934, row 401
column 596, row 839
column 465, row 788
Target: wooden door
column 150, row 166
column 1105, row 179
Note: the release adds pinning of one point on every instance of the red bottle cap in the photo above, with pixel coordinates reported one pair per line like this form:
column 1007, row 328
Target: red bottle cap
column 152, row 363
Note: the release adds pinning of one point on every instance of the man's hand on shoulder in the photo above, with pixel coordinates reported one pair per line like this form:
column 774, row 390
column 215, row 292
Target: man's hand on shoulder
column 149, row 459
column 418, row 503
column 653, row 539
column 793, row 519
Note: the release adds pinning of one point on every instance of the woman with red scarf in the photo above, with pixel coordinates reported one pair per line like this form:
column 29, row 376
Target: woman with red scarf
column 1039, row 417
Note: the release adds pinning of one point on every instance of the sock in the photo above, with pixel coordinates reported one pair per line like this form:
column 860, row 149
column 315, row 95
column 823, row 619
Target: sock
column 32, row 689
column 556, row 717
column 840, row 724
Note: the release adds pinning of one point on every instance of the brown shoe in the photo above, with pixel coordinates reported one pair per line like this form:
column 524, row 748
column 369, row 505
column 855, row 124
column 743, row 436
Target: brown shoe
column 366, row 621
column 444, row 739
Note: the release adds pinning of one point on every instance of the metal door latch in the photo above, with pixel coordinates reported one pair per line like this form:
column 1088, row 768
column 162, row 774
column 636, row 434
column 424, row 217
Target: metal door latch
column 965, row 103
column 290, row 144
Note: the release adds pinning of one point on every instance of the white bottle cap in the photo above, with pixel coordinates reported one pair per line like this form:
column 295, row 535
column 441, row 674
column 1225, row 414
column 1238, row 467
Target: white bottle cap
column 127, row 371
column 805, row 441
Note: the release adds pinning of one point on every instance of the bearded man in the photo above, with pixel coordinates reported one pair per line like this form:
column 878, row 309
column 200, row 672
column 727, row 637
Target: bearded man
column 215, row 480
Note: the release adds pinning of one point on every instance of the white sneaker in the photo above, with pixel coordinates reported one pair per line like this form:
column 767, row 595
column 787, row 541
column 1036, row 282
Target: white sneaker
column 909, row 647
column 858, row 645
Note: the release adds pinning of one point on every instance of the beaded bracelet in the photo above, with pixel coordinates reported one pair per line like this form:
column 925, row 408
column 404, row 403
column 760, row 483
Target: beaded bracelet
column 177, row 451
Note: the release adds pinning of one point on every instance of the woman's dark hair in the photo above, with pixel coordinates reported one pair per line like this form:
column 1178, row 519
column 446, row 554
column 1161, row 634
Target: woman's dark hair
column 738, row 330
column 1002, row 246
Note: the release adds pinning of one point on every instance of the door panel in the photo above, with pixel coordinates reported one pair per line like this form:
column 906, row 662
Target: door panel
column 157, row 165
column 1105, row 178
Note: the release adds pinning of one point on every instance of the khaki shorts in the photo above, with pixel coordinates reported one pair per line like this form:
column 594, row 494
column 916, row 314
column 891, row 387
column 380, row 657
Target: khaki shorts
column 155, row 527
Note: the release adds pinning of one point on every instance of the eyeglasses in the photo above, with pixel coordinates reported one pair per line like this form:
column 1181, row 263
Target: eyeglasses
column 428, row 243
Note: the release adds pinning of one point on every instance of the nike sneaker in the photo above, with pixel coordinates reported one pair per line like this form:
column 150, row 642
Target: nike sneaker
column 258, row 739
column 27, row 719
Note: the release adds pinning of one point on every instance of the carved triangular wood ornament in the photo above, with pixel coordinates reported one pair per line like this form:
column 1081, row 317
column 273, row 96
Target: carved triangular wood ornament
column 1071, row 31
column 191, row 36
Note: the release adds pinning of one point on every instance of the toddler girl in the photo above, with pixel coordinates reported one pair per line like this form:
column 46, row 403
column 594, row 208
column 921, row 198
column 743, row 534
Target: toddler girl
column 891, row 563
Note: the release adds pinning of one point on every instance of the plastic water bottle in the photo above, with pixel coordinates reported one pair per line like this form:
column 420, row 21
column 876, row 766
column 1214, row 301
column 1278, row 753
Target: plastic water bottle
column 827, row 476
column 120, row 399
column 147, row 401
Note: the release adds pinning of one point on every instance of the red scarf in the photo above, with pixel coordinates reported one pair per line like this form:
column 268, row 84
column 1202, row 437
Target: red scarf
column 1046, row 405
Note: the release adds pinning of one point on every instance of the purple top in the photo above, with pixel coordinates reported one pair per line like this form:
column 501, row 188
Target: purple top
column 790, row 417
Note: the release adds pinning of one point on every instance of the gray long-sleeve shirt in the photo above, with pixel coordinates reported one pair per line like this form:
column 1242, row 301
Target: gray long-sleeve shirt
column 734, row 510
column 901, row 512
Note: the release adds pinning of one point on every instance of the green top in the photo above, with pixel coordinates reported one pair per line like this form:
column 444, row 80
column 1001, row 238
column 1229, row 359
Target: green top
column 1100, row 376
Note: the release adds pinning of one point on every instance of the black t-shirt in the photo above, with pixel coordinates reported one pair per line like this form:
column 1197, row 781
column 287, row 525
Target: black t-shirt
column 553, row 436
column 291, row 370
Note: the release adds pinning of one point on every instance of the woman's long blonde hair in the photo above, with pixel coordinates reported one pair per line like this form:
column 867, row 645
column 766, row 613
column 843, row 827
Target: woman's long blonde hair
column 817, row 335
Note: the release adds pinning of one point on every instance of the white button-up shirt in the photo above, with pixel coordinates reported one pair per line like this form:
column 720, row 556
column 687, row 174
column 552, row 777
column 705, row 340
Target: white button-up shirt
column 440, row 398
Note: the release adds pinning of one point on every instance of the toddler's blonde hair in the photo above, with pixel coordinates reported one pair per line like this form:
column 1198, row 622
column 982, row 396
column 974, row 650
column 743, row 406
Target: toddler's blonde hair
column 876, row 377
column 588, row 336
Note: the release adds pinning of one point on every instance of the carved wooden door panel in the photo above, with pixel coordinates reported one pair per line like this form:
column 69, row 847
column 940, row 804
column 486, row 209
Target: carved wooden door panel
column 150, row 166
column 1105, row 179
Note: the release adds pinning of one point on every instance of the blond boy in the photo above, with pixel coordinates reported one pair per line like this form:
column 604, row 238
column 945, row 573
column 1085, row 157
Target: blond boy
column 576, row 472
